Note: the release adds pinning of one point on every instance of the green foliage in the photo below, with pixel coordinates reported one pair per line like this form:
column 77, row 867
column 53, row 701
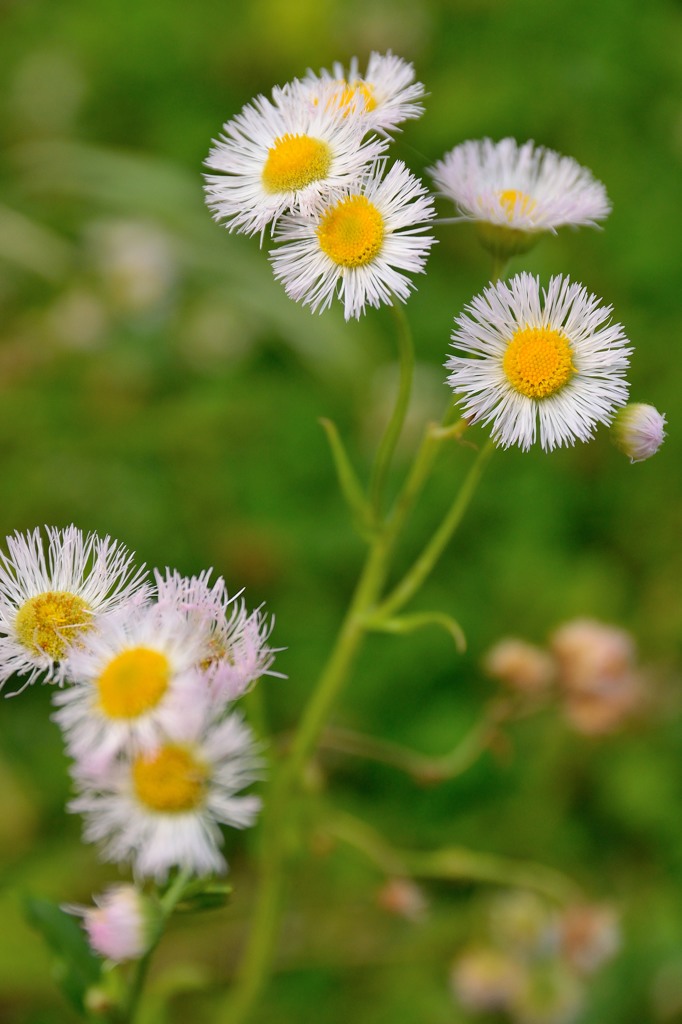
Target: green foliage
column 76, row 968
column 203, row 895
column 183, row 419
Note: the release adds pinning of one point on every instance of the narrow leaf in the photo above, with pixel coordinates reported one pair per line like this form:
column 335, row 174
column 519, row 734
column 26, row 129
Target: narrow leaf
column 77, row 968
column 348, row 481
column 410, row 623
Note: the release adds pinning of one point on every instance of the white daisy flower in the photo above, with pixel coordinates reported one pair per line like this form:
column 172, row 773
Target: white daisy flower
column 386, row 94
column 49, row 599
column 358, row 245
column 515, row 192
column 236, row 654
column 163, row 809
column 555, row 362
column 135, row 680
column 288, row 153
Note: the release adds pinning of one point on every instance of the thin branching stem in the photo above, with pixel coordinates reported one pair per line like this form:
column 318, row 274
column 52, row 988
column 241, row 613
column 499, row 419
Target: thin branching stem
column 257, row 962
column 167, row 904
column 395, row 424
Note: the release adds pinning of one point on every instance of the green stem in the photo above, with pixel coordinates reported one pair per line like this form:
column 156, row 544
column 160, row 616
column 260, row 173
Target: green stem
column 334, row 674
column 421, row 467
column 465, row 753
column 456, row 864
column 414, row 578
column 260, row 950
column 167, row 903
column 461, row 865
column 423, row 769
column 500, row 263
column 395, row 424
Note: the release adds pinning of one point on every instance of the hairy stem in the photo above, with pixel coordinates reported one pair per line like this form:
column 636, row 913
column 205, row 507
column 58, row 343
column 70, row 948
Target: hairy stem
column 167, row 903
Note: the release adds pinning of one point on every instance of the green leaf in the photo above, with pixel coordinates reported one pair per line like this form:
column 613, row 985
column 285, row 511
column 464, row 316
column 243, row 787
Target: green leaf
column 202, row 896
column 77, row 969
column 351, row 488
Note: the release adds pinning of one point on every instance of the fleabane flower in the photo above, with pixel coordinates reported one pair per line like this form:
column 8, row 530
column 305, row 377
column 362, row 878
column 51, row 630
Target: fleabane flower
column 163, row 808
column 241, row 654
column 514, row 193
column 53, row 594
column 359, row 245
column 288, row 153
column 202, row 602
column 137, row 679
column 638, row 431
column 386, row 94
column 235, row 652
column 551, row 363
column 122, row 924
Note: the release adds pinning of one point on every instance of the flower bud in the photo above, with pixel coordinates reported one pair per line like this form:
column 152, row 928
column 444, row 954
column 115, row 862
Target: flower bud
column 485, row 979
column 122, row 924
column 589, row 936
column 637, row 431
column 402, row 897
column 523, row 924
column 598, row 680
column 519, row 665
column 552, row 995
column 588, row 651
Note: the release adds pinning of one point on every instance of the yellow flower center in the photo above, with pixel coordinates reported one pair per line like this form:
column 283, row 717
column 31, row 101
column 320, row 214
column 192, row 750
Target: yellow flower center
column 49, row 622
column 511, row 199
column 351, row 233
column 538, row 361
column 349, row 92
column 216, row 650
column 171, row 781
column 295, row 161
column 133, row 682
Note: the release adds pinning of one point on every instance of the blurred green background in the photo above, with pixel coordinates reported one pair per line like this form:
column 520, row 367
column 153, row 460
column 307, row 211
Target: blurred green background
column 157, row 385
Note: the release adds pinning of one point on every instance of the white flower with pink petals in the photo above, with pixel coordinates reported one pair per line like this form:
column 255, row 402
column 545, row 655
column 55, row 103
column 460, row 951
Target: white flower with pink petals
column 236, row 653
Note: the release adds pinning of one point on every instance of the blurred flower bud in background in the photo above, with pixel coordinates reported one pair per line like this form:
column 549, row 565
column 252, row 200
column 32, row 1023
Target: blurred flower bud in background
column 520, row 666
column 600, row 685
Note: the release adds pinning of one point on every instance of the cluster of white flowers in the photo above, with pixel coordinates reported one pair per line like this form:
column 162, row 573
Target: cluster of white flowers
column 537, row 362
column 309, row 163
column 150, row 673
